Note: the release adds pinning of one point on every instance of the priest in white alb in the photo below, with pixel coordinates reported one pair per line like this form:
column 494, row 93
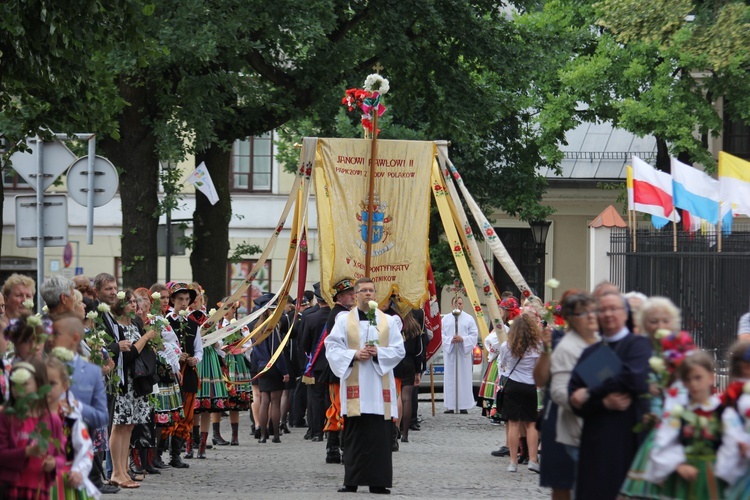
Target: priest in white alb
column 458, row 349
column 363, row 348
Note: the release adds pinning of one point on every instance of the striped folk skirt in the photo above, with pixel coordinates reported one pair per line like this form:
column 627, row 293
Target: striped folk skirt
column 212, row 391
column 239, row 388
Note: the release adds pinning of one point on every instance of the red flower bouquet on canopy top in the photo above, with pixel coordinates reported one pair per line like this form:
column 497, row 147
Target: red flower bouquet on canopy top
column 368, row 100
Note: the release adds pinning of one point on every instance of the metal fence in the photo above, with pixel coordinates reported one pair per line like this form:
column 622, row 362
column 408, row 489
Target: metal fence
column 711, row 288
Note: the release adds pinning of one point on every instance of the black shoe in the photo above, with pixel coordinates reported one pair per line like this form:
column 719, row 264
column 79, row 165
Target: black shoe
column 415, row 427
column 464, row 412
column 316, row 439
column 151, row 469
column 284, row 428
column 263, row 439
column 308, row 434
column 347, row 489
column 448, row 411
column 394, row 445
column 109, row 489
column 504, row 451
column 404, row 439
column 333, row 457
column 177, row 463
column 220, row 441
column 379, row 490
column 276, row 439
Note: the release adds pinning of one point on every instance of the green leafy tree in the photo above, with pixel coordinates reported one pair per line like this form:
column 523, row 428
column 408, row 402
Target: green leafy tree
column 51, row 72
column 652, row 68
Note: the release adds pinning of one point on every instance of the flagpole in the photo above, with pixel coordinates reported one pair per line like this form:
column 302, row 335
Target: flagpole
column 674, row 238
column 632, row 230
column 371, row 195
column 718, row 247
column 635, row 232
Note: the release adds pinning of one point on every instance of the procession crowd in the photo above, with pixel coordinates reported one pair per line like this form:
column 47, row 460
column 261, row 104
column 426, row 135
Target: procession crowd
column 131, row 380
column 629, row 405
column 602, row 394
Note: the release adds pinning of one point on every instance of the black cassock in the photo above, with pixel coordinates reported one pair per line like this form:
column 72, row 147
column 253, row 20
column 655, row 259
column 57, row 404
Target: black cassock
column 608, row 440
column 367, row 451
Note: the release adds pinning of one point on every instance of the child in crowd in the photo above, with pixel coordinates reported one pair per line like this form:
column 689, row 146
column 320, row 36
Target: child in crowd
column 28, row 469
column 72, row 480
column 683, row 458
column 735, row 459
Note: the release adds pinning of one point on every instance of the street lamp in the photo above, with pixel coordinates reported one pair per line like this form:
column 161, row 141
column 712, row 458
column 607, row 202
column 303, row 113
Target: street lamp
column 539, row 230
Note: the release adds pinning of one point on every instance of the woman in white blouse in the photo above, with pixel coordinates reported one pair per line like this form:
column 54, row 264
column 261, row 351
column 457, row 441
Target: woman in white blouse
column 519, row 355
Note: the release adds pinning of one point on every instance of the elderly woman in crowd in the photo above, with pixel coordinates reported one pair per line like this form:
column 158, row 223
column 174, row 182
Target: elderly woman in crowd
column 17, row 289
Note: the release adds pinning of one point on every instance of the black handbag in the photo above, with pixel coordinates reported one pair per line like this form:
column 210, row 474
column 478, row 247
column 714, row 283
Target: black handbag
column 144, row 373
column 501, row 393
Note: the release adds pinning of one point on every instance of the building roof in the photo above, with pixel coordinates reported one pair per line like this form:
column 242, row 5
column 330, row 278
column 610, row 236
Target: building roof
column 600, row 151
column 608, row 218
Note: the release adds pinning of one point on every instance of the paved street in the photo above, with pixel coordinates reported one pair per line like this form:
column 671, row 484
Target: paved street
column 449, row 458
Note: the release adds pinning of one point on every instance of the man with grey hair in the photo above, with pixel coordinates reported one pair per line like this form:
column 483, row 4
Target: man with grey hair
column 57, row 292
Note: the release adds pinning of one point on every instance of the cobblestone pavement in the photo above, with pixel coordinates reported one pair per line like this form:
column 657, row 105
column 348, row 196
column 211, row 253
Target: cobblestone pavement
column 449, row 458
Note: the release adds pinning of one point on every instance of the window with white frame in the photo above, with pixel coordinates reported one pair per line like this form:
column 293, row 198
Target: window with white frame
column 252, row 164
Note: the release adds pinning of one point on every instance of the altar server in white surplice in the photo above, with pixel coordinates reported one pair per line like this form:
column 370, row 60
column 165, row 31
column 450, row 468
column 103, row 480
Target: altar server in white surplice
column 458, row 349
column 364, row 355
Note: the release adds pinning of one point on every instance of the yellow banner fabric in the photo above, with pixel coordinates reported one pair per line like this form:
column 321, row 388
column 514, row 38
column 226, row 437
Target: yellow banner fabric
column 401, row 217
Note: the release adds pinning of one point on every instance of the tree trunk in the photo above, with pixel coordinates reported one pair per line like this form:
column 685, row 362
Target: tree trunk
column 663, row 162
column 211, row 227
column 136, row 158
column 2, row 211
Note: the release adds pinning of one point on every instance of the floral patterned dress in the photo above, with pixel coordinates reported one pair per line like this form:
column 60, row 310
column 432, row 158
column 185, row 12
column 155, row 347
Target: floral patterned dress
column 129, row 408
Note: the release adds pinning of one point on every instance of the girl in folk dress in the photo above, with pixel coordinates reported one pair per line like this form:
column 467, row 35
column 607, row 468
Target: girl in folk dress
column 212, row 395
column 28, row 470
column 734, row 460
column 683, row 457
column 72, row 482
column 238, row 374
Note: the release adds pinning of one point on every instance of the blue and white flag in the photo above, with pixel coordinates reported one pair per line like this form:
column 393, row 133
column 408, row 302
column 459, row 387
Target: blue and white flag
column 694, row 191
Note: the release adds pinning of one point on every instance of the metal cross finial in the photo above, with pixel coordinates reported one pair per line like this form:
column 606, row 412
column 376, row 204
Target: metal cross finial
column 378, row 67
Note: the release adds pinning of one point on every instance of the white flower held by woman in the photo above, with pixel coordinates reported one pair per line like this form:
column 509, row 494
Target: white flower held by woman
column 103, row 308
column 212, row 311
column 662, row 333
column 376, row 83
column 92, row 315
column 34, row 320
column 657, row 364
column 45, row 310
column 156, row 296
column 20, row 376
column 63, row 354
column 121, row 295
column 28, row 304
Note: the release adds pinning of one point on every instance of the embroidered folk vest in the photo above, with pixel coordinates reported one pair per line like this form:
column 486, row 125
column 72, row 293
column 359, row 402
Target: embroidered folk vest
column 352, row 381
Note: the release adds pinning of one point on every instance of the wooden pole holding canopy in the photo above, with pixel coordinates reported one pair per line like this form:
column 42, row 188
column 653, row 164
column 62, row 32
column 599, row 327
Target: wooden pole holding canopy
column 432, row 386
column 371, row 192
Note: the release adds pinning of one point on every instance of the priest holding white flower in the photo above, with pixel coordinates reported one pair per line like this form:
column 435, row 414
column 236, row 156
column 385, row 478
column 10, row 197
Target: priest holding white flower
column 458, row 349
column 363, row 348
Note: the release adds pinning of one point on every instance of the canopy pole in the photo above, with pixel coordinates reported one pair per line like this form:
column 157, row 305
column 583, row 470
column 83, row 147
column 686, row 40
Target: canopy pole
column 371, row 193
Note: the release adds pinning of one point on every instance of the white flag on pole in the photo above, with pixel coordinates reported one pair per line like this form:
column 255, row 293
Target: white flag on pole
column 201, row 179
